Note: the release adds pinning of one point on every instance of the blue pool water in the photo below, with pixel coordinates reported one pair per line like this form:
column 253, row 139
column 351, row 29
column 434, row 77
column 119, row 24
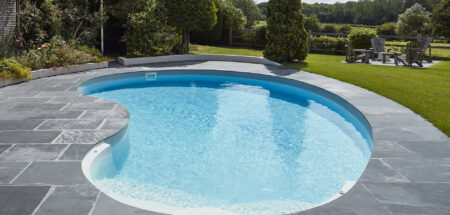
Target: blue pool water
column 241, row 145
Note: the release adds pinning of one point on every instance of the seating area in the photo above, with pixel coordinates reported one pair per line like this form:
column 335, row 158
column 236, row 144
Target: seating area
column 413, row 56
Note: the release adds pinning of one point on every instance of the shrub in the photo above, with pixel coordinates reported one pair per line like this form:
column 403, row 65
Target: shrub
column 286, row 34
column 441, row 19
column 361, row 39
column 388, row 28
column 415, row 20
column 55, row 54
column 148, row 33
column 329, row 28
column 10, row 68
column 331, row 44
column 345, row 29
column 312, row 24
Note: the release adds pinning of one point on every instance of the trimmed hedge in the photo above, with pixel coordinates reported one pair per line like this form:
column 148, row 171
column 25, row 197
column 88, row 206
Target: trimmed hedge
column 361, row 39
column 331, row 45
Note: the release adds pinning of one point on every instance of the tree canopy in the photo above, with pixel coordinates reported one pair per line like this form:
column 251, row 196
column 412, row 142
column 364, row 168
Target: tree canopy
column 195, row 15
column 441, row 19
column 415, row 20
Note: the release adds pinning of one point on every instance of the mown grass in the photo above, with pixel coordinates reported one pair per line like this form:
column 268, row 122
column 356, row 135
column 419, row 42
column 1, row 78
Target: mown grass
column 425, row 91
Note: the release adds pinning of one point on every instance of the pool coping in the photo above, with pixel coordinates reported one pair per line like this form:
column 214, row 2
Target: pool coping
column 407, row 171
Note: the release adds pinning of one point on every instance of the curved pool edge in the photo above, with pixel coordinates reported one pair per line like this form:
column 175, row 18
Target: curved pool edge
column 101, row 149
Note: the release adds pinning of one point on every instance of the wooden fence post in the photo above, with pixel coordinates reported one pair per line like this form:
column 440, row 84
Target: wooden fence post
column 230, row 35
column 309, row 41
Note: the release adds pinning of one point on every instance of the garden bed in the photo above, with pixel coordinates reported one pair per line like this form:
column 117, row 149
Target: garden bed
column 42, row 73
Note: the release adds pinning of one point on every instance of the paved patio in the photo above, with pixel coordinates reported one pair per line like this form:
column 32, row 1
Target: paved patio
column 46, row 127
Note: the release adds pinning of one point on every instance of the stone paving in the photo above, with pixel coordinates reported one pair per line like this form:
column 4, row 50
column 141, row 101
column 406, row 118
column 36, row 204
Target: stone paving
column 46, row 127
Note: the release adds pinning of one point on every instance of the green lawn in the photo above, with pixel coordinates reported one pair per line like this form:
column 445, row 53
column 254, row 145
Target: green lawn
column 425, row 91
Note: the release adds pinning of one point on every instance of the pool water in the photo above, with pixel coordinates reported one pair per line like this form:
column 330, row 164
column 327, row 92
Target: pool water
column 241, row 145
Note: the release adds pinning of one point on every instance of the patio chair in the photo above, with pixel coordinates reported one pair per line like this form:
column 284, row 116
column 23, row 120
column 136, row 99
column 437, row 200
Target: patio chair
column 352, row 57
column 378, row 47
column 415, row 53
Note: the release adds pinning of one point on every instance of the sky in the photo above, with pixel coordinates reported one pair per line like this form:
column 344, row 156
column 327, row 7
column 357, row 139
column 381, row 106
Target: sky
column 314, row 1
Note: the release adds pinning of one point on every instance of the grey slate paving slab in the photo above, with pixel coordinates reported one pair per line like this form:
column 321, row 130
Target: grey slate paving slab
column 27, row 100
column 41, row 114
column 114, row 123
column 4, row 148
column 69, row 200
column 33, row 152
column 434, row 196
column 31, row 106
column 49, row 88
column 357, row 201
column 84, row 136
column 107, row 206
column 377, row 171
column 435, row 149
column 76, row 152
column 422, row 169
column 21, row 200
column 400, row 209
column 91, row 106
column 9, row 170
column 73, row 99
column 387, row 149
column 20, row 124
column 16, row 93
column 70, row 124
column 116, row 113
column 28, row 136
column 54, row 173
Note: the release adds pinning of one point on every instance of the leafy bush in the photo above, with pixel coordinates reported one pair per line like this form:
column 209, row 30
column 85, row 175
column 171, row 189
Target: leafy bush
column 361, row 39
column 57, row 53
column 312, row 24
column 71, row 20
column 415, row 20
column 441, row 19
column 388, row 28
column 286, row 34
column 345, row 29
column 329, row 28
column 148, row 33
column 331, row 44
column 10, row 68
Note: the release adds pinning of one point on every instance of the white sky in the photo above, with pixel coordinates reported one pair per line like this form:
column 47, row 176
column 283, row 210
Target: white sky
column 314, row 1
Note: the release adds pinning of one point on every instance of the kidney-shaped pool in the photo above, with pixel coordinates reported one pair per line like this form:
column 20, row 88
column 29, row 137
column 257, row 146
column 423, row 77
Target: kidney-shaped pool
column 218, row 142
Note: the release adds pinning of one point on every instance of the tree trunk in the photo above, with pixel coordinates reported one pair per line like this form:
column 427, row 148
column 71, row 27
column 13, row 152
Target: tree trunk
column 186, row 40
column 230, row 35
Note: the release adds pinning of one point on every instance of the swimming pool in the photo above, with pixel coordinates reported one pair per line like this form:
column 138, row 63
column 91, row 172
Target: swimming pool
column 226, row 143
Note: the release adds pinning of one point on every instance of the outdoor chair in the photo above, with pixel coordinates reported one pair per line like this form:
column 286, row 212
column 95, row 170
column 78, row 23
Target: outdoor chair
column 415, row 53
column 353, row 55
column 378, row 47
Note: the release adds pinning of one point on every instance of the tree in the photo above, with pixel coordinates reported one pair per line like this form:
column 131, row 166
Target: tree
column 415, row 20
column 312, row 24
column 286, row 34
column 233, row 17
column 441, row 19
column 250, row 9
column 148, row 33
column 195, row 15
column 263, row 8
